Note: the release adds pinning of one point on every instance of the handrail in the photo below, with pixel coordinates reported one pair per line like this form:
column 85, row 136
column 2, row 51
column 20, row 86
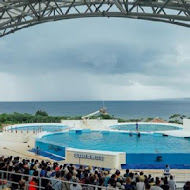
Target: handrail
column 96, row 187
column 2, row 172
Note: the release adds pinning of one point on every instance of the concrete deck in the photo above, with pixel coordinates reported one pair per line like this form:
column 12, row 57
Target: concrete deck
column 17, row 148
column 178, row 133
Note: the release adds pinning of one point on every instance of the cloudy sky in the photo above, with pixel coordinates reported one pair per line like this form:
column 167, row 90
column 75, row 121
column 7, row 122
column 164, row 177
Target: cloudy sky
column 95, row 59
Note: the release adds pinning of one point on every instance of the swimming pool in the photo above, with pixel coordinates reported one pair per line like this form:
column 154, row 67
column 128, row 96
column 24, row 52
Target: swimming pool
column 38, row 127
column 120, row 142
column 143, row 150
column 145, row 127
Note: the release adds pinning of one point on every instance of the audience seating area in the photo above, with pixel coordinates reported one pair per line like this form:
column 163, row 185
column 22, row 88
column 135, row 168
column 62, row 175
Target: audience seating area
column 25, row 174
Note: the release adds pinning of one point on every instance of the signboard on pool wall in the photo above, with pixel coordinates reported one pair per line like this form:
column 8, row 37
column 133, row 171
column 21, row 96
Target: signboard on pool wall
column 102, row 159
column 89, row 156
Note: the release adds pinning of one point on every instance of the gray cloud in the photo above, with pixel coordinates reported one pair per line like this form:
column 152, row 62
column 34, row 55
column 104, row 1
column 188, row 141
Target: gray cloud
column 95, row 59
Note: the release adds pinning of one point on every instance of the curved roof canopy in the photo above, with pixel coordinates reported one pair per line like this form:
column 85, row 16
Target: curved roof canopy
column 18, row 14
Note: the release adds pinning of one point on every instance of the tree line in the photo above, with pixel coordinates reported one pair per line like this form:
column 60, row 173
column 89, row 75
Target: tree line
column 39, row 117
column 43, row 117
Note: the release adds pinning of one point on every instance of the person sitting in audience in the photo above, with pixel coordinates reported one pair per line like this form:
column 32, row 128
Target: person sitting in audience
column 172, row 183
column 140, row 184
column 132, row 176
column 126, row 173
column 187, row 186
column 152, row 182
column 21, row 185
column 117, row 175
column 128, row 185
column 57, row 185
column 75, row 186
column 107, row 177
column 112, row 183
column 141, row 177
column 16, row 177
column 165, row 186
column 157, row 185
column 147, row 186
column 162, row 181
column 48, row 186
column 33, row 184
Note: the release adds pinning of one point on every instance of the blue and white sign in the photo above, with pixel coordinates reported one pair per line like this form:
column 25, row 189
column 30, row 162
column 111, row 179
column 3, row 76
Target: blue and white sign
column 89, row 156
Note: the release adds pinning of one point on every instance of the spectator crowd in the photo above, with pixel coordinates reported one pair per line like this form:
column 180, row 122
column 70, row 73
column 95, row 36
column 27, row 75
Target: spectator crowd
column 54, row 176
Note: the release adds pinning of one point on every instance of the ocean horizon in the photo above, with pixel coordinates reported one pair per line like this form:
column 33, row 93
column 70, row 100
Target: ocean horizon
column 122, row 109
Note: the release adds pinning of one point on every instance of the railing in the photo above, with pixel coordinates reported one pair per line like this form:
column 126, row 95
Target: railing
column 65, row 184
column 5, row 177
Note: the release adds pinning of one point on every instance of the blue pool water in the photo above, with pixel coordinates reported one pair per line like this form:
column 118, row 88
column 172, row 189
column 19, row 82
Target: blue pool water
column 48, row 128
column 145, row 127
column 121, row 142
column 141, row 152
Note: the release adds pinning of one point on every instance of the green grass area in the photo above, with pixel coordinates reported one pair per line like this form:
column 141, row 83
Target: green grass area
column 1, row 127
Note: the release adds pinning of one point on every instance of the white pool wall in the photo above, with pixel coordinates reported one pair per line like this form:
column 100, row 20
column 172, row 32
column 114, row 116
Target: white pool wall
column 32, row 124
column 153, row 123
column 186, row 124
column 93, row 124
